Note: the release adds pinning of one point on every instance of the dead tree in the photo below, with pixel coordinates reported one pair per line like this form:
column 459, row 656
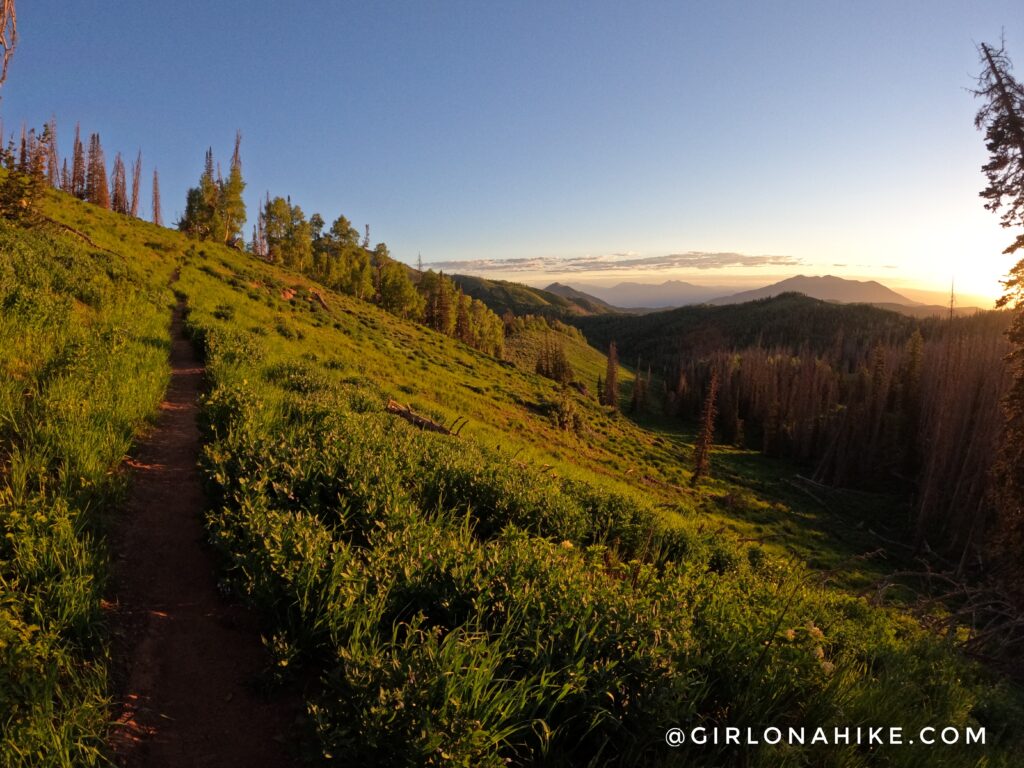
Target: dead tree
column 407, row 413
column 8, row 35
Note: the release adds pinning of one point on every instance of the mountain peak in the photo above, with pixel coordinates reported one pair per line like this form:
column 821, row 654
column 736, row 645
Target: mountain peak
column 826, row 288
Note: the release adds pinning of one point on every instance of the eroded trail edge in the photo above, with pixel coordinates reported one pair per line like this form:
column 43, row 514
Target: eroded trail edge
column 186, row 657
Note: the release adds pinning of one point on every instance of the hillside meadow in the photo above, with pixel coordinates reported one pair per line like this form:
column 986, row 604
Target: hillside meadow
column 520, row 594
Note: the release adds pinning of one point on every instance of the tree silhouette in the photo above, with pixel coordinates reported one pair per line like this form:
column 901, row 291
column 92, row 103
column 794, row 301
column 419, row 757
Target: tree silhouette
column 611, row 378
column 78, row 169
column 1002, row 118
column 97, row 191
column 702, row 449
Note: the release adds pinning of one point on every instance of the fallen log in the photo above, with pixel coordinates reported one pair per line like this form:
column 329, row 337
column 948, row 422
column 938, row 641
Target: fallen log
column 319, row 299
column 407, row 413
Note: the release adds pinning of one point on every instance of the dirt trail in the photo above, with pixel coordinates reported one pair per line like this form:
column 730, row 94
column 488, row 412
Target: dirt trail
column 185, row 655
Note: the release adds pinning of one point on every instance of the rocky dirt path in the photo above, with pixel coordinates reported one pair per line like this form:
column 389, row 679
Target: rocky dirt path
column 186, row 657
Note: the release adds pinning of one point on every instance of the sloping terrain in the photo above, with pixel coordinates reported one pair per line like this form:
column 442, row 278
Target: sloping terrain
column 586, row 300
column 826, row 288
column 502, row 296
column 545, row 588
column 187, row 658
column 776, row 321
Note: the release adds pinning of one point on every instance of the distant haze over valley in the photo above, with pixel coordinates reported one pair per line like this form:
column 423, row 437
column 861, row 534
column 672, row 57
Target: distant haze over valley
column 677, row 293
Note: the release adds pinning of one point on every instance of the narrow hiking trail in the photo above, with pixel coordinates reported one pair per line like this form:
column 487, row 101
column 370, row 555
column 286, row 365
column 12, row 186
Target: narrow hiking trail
column 186, row 656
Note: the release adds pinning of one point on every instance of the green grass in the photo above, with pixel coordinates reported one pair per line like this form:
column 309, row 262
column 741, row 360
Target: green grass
column 83, row 348
column 504, row 597
column 523, row 594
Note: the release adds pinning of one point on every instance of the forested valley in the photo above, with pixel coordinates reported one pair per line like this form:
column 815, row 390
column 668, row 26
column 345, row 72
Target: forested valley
column 468, row 523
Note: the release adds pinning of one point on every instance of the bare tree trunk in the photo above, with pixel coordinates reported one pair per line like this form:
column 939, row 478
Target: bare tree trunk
column 8, row 35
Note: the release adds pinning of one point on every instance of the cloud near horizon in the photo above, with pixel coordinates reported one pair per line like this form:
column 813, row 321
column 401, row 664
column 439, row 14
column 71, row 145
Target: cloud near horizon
column 616, row 262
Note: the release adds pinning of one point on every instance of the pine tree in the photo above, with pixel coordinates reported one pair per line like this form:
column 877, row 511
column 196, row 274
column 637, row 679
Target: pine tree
column 1002, row 118
column 463, row 321
column 52, row 158
column 158, row 218
column 702, row 449
column 611, row 378
column 65, row 178
column 445, row 315
column 97, row 190
column 207, row 223
column 78, row 167
column 133, row 207
column 38, row 158
column 25, row 180
column 232, row 206
column 638, row 400
column 119, row 181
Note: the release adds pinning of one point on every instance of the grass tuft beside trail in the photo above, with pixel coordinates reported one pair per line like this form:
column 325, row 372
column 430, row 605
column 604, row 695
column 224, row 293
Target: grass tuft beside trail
column 83, row 348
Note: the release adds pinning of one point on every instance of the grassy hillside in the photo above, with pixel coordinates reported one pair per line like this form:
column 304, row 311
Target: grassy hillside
column 587, row 363
column 502, row 296
column 515, row 613
column 83, row 363
column 524, row 593
column 593, row 304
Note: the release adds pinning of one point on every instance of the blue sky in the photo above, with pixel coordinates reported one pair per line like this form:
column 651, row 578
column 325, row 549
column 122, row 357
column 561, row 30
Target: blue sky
column 834, row 137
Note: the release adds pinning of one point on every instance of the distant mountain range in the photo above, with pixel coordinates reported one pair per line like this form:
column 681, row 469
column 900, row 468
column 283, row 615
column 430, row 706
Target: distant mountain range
column 672, row 293
column 827, row 288
column 585, row 300
column 629, row 297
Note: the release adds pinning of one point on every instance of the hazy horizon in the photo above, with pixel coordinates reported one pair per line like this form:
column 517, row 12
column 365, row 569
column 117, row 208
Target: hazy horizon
column 820, row 138
column 735, row 284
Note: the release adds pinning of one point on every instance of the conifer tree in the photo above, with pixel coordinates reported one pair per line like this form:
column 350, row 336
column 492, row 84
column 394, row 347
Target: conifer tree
column 1002, row 118
column 207, row 213
column 638, row 399
column 232, row 206
column 463, row 324
column 38, row 154
column 611, row 378
column 78, row 167
column 38, row 158
column 52, row 157
column 97, row 190
column 702, row 449
column 158, row 217
column 25, row 179
column 65, row 178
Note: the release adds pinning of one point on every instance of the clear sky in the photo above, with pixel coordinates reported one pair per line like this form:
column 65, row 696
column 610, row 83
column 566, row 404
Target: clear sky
column 722, row 142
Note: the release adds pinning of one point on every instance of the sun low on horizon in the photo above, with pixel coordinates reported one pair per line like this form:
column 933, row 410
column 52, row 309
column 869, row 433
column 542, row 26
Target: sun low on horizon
column 511, row 385
column 814, row 140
